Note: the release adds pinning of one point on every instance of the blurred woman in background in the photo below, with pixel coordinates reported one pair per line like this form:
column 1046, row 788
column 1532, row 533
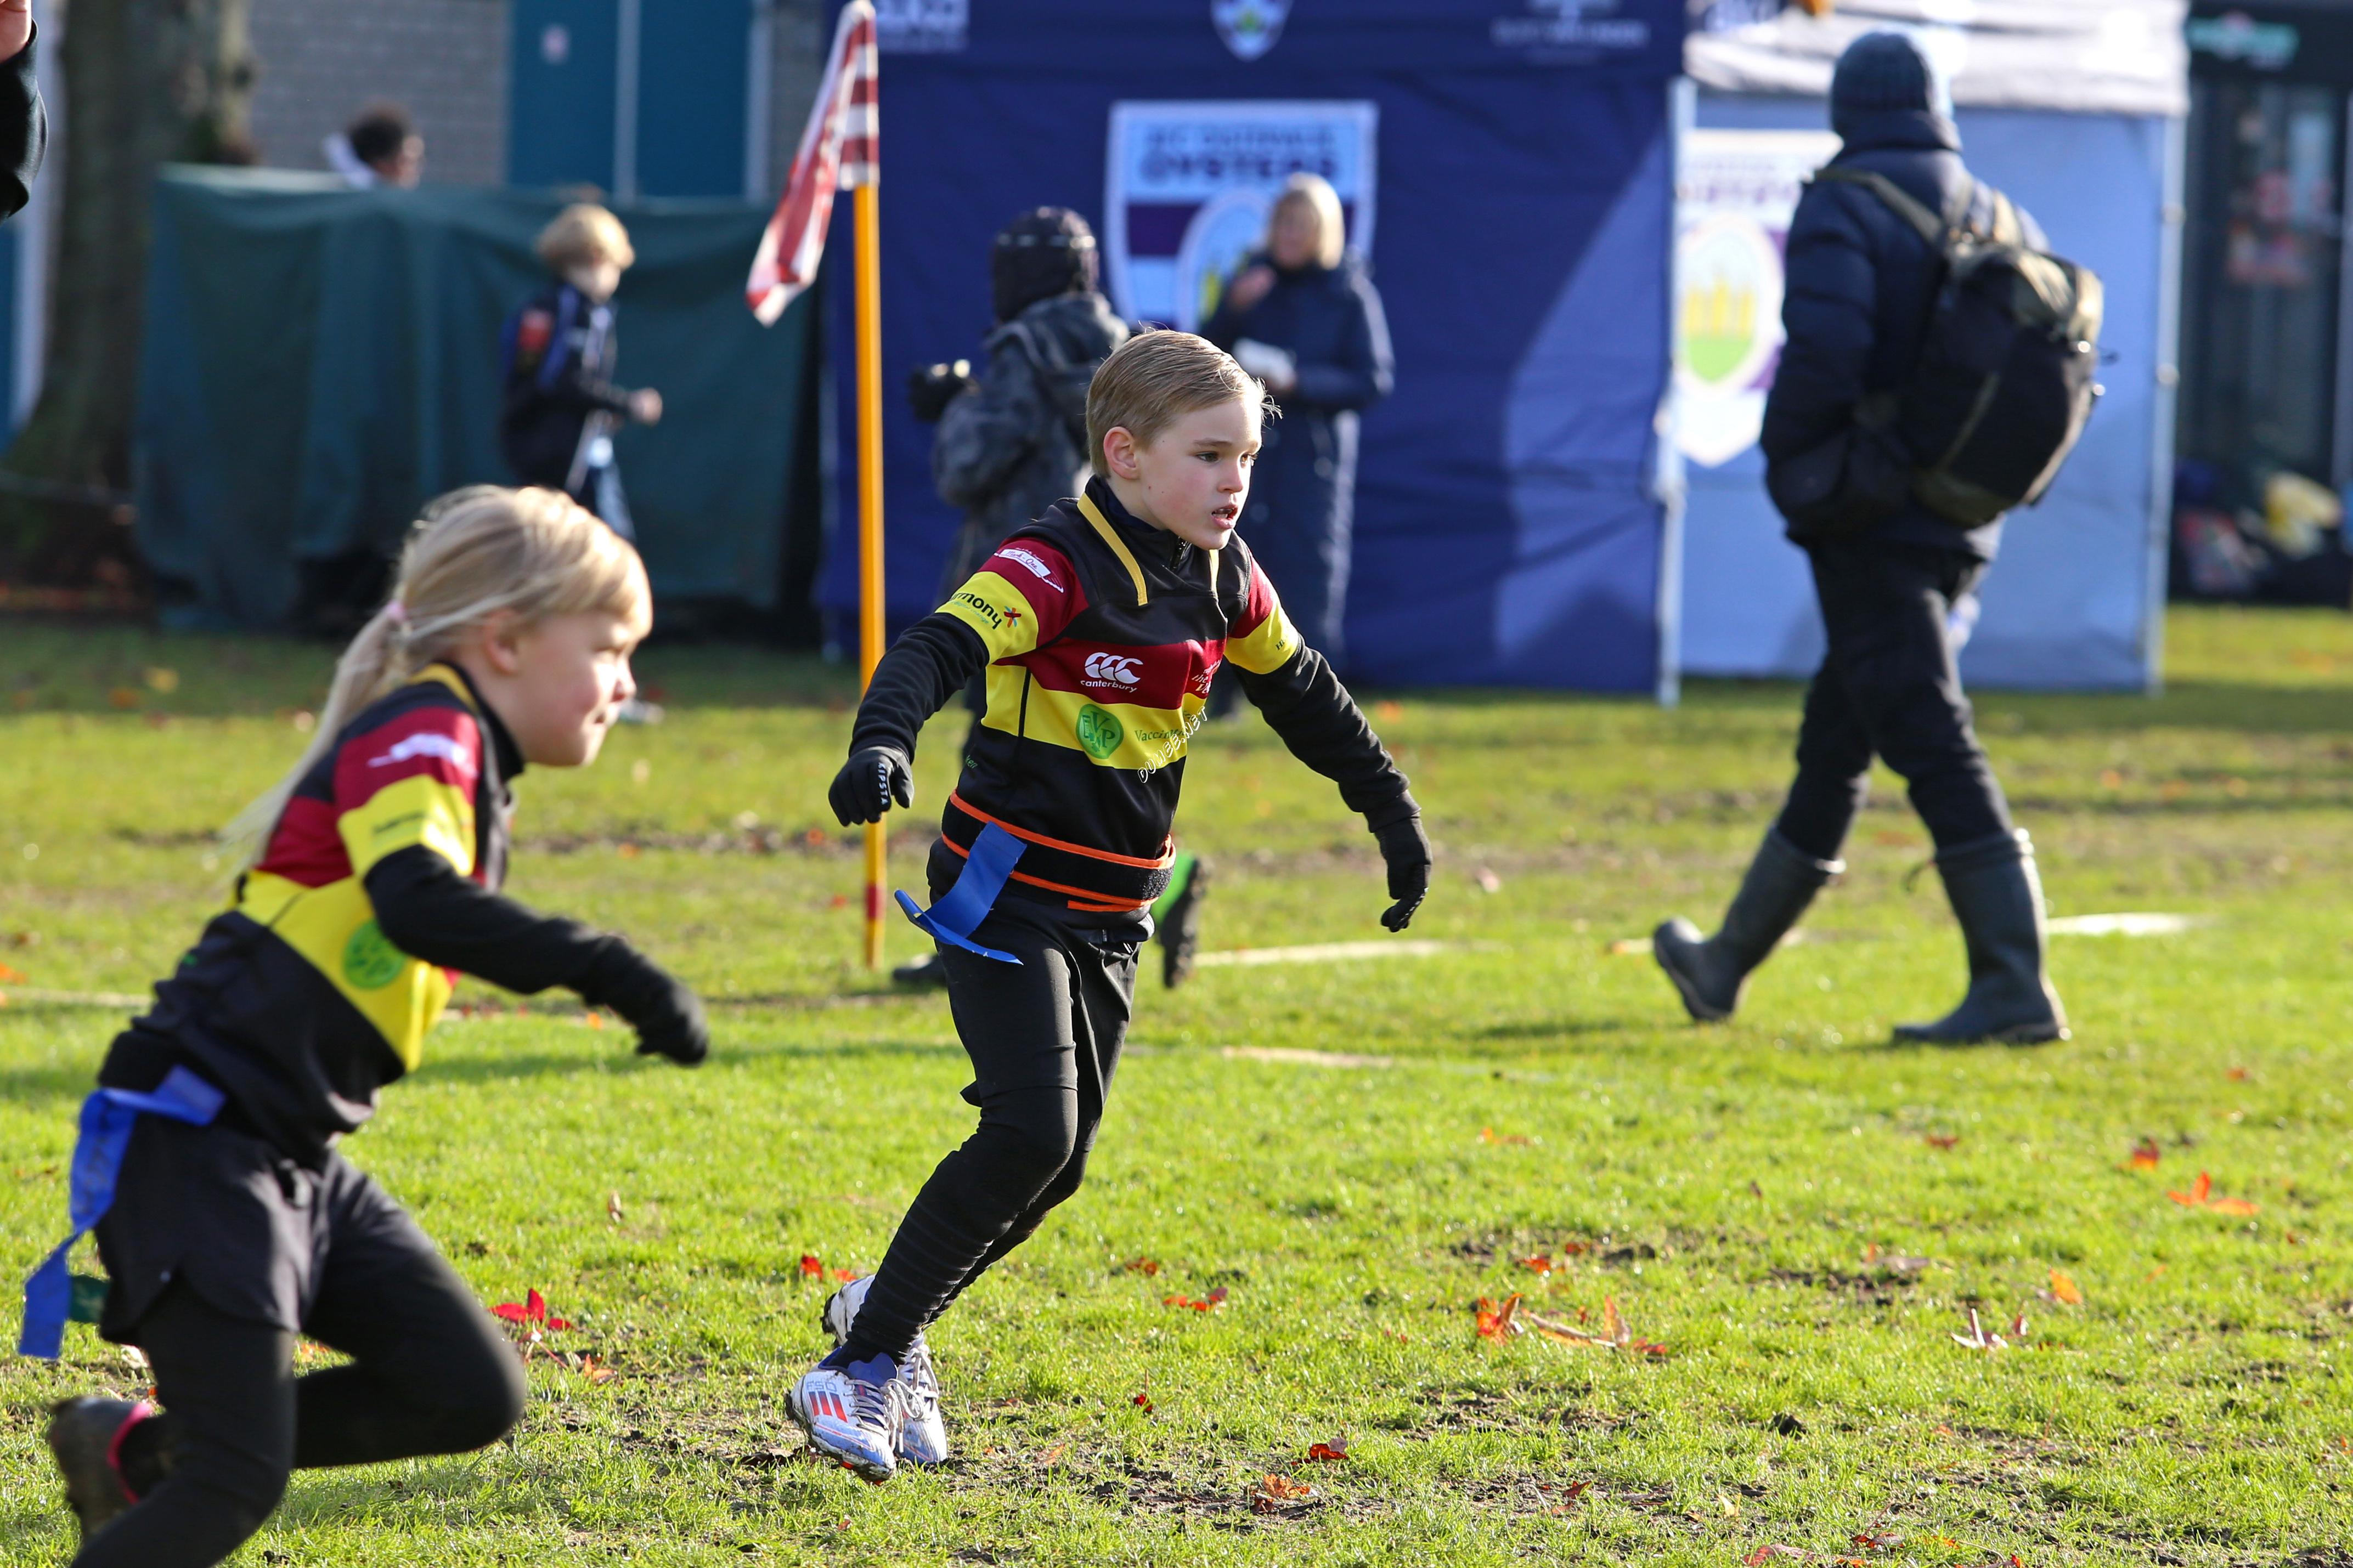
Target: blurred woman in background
column 1302, row 317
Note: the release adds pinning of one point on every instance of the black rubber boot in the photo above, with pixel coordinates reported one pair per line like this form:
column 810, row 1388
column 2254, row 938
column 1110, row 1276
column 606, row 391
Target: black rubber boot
column 1711, row 974
column 1997, row 898
column 85, row 1435
column 1177, row 921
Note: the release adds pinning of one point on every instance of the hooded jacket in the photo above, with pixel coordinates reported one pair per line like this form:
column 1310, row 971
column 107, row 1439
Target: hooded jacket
column 1861, row 284
column 1015, row 443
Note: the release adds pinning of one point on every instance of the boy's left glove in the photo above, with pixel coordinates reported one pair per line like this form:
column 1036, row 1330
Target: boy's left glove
column 1406, row 849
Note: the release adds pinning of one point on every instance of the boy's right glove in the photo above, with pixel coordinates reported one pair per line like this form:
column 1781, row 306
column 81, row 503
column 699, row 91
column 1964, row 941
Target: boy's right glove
column 867, row 785
column 1405, row 849
column 667, row 1016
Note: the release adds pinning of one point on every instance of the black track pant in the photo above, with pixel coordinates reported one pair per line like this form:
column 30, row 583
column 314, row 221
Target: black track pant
column 1888, row 686
column 431, row 1372
column 1044, row 1039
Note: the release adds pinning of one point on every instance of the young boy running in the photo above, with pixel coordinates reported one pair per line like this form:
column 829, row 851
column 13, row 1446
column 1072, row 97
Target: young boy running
column 1099, row 627
column 228, row 1222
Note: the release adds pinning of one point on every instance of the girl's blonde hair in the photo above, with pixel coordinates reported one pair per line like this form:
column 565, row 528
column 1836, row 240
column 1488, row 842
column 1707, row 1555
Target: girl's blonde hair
column 583, row 235
column 476, row 553
column 1314, row 194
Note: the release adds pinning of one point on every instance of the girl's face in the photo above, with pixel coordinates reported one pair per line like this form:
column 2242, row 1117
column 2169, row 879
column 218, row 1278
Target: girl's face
column 1192, row 478
column 557, row 684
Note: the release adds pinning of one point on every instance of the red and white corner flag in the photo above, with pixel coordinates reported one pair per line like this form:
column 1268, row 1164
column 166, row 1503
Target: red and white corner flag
column 837, row 149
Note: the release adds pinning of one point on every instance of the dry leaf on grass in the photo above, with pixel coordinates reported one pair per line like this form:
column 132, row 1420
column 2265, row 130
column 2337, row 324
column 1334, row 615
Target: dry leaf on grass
column 2201, row 1196
column 1147, row 1266
column 1615, row 1335
column 1489, row 1135
column 1941, row 1139
column 1280, row 1494
column 1498, row 1322
column 2146, row 1154
column 1329, row 1452
column 1207, row 1303
column 2065, row 1288
column 1979, row 1338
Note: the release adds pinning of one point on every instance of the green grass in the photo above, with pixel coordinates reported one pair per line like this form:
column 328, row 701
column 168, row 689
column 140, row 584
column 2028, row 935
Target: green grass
column 1735, row 1189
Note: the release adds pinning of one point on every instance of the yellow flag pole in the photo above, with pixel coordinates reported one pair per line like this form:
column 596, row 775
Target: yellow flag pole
column 869, row 515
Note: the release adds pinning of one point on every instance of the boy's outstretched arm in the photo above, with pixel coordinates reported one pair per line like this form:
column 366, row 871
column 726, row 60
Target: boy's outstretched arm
column 1022, row 598
column 1304, row 703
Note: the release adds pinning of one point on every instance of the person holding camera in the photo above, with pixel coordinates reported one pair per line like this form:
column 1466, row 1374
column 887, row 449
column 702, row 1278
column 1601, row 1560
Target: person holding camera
column 1893, row 573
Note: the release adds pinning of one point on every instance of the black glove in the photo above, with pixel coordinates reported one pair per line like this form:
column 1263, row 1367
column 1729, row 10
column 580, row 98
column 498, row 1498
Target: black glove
column 931, row 389
column 867, row 785
column 667, row 1016
column 1405, row 848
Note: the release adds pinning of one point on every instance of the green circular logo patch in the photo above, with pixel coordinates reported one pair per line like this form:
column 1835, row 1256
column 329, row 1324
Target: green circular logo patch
column 369, row 961
column 1099, row 732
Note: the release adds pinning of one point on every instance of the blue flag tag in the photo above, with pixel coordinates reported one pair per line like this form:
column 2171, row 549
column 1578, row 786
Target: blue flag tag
column 107, row 1118
column 962, row 908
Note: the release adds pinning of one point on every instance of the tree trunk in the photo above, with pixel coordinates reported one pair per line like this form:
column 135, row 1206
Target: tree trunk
column 146, row 82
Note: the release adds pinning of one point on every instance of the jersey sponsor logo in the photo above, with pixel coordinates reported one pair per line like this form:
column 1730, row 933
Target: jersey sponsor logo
column 987, row 612
column 1113, row 669
column 1030, row 562
column 425, row 744
column 1099, row 732
column 369, row 961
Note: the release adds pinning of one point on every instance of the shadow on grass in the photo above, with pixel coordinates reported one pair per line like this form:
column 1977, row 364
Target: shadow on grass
column 492, row 1069
column 1556, row 1028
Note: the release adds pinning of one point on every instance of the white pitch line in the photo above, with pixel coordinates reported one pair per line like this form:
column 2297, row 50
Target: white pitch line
column 1303, row 1058
column 2127, row 924
column 72, row 998
column 1322, row 953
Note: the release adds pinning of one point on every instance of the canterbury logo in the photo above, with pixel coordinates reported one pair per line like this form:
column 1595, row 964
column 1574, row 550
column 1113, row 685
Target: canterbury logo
column 424, row 745
column 1119, row 669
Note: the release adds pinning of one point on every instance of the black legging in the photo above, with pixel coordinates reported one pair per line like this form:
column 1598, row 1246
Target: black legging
column 1888, row 686
column 432, row 1374
column 1044, row 1038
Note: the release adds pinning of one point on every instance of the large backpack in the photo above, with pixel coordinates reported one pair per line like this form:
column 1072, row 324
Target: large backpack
column 2005, row 382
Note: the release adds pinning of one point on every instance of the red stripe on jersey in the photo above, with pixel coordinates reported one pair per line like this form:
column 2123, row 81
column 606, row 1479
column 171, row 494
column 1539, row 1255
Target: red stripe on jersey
column 1257, row 606
column 433, row 742
column 305, row 846
column 1044, row 577
column 1157, row 677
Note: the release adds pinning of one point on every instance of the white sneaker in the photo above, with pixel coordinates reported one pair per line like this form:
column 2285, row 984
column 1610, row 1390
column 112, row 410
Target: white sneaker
column 852, row 1414
column 922, row 1434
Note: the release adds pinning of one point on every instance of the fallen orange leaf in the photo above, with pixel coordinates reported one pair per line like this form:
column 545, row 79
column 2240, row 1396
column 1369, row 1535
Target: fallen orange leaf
column 1542, row 1265
column 1942, row 1140
column 1498, row 1322
column 1143, row 1402
column 2146, row 1154
column 2236, row 1075
column 1329, row 1452
column 2196, row 1196
column 1144, row 1266
column 811, row 1267
column 2063, row 1286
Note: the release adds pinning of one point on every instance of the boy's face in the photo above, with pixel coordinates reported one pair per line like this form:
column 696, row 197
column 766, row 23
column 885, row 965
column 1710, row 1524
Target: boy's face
column 557, row 685
column 1192, row 478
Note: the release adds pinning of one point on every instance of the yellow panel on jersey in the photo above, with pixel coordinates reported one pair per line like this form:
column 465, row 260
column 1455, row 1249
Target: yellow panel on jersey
column 419, row 809
column 1270, row 644
column 998, row 611
column 1112, row 735
column 334, row 929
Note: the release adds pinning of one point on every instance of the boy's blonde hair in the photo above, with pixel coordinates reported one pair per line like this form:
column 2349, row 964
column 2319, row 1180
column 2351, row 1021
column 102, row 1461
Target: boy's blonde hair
column 1154, row 379
column 1314, row 194
column 583, row 235
column 476, row 553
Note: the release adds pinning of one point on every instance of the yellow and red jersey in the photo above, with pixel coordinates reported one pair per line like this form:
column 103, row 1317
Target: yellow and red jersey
column 294, row 1000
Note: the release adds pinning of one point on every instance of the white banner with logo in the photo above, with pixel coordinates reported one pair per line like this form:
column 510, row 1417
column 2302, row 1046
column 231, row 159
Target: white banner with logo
column 1734, row 196
column 1187, row 187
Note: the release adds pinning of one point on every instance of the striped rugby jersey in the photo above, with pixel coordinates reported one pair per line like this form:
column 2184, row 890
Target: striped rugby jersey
column 1104, row 636
column 293, row 1000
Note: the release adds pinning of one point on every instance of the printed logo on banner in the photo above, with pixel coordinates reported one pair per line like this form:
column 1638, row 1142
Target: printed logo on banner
column 1735, row 195
column 920, row 27
column 1187, row 187
column 1250, row 27
column 1583, row 28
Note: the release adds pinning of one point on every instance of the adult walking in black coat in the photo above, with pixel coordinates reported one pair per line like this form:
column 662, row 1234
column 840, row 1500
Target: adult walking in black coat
column 1887, row 570
column 1302, row 317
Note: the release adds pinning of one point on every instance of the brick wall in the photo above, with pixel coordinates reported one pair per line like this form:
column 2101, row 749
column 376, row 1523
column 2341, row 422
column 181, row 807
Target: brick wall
column 444, row 61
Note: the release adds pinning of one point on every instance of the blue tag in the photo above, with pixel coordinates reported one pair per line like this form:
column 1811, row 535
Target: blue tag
column 963, row 907
column 107, row 1118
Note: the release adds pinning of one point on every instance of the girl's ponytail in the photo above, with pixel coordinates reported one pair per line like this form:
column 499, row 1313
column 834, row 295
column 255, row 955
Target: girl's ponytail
column 367, row 670
column 478, row 552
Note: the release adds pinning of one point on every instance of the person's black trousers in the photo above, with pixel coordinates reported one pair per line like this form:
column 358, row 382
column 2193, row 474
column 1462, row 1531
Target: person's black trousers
column 254, row 1240
column 1044, row 1038
column 1888, row 686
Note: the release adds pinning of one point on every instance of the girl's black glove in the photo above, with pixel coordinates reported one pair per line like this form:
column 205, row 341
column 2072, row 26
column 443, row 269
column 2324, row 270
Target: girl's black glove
column 1405, row 848
column 667, row 1016
column 867, row 785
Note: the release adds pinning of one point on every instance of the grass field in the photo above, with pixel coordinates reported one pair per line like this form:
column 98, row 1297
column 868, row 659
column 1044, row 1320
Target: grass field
column 1799, row 1214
